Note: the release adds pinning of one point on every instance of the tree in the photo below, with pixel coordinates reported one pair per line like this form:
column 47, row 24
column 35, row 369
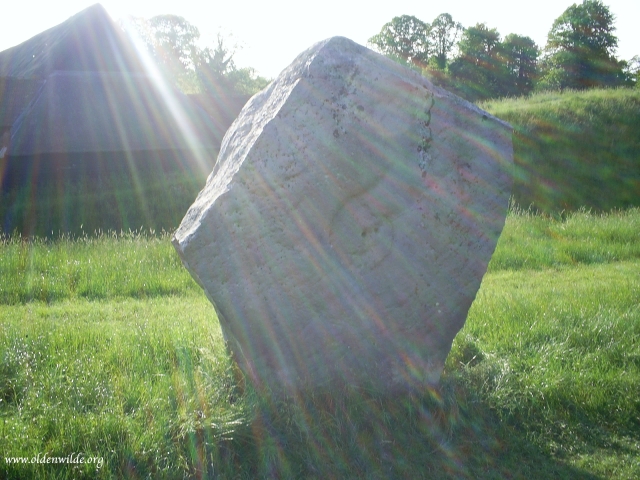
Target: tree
column 632, row 71
column 174, row 46
column 580, row 48
column 245, row 81
column 404, row 38
column 443, row 36
column 479, row 72
column 520, row 56
column 218, row 75
column 213, row 66
column 172, row 42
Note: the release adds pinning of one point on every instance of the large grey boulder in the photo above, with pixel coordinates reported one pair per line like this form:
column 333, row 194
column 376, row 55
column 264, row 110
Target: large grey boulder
column 348, row 222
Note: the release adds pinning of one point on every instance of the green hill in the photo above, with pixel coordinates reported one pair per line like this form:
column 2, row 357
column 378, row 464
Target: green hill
column 575, row 149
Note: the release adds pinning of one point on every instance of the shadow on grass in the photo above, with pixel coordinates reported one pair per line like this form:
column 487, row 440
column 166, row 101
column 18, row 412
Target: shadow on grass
column 448, row 433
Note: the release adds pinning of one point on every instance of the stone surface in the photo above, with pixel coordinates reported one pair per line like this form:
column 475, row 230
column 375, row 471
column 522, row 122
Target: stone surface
column 346, row 227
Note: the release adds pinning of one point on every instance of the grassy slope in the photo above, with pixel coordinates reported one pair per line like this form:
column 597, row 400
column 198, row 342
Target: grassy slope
column 571, row 149
column 108, row 348
column 575, row 149
column 121, row 197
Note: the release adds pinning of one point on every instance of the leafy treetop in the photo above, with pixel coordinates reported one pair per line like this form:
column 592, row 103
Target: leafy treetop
column 405, row 38
column 580, row 49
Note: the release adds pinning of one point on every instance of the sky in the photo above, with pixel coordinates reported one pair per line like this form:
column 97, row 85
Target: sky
column 268, row 35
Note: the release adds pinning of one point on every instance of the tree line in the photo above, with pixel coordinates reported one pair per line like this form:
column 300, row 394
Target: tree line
column 172, row 43
column 474, row 62
column 478, row 64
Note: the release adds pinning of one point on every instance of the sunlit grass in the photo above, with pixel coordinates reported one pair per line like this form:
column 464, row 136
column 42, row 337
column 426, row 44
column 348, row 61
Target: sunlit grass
column 556, row 352
column 533, row 242
column 109, row 349
column 104, row 265
column 128, row 380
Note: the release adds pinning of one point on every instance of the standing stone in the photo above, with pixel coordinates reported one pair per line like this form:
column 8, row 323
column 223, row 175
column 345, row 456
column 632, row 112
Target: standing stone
column 348, row 222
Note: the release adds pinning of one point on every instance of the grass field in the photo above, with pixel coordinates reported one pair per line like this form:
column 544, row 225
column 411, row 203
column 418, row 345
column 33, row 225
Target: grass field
column 108, row 349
